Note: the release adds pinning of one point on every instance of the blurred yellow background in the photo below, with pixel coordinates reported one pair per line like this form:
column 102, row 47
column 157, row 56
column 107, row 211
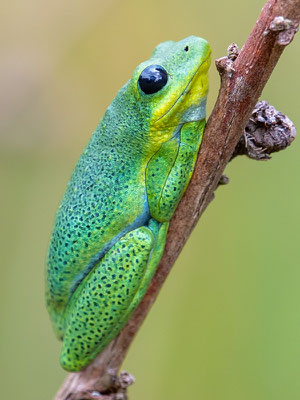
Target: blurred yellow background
column 226, row 325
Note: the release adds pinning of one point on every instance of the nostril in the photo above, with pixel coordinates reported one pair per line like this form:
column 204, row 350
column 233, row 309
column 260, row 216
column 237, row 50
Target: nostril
column 186, row 48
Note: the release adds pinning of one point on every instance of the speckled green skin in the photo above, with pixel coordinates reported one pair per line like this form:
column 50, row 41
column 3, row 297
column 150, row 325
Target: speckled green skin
column 111, row 226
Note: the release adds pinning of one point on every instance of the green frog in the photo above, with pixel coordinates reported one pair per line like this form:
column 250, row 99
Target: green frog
column 111, row 226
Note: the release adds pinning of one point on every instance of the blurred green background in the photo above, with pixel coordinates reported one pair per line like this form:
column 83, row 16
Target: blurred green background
column 226, row 324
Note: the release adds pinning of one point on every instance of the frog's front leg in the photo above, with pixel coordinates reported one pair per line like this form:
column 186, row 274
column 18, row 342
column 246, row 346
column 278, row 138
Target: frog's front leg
column 105, row 299
column 170, row 170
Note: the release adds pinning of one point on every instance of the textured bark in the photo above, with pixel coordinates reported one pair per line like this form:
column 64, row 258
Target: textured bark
column 243, row 76
column 266, row 132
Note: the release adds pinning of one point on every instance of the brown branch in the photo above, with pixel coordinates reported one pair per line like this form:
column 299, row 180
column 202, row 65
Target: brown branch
column 243, row 76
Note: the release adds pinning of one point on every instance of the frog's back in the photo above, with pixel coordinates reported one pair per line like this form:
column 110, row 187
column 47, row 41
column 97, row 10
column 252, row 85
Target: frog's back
column 104, row 199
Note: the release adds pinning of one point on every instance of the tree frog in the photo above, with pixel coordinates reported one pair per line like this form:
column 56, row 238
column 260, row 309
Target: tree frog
column 111, row 226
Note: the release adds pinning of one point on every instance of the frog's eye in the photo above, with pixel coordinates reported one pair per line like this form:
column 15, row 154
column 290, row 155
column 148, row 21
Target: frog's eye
column 152, row 79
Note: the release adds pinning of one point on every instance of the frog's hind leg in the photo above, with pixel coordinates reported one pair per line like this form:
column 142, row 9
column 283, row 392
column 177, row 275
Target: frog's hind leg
column 105, row 299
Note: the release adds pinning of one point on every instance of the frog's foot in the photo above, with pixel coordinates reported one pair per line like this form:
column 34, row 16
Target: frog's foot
column 105, row 299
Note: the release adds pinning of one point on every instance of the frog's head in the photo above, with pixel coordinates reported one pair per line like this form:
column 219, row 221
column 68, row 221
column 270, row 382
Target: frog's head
column 171, row 87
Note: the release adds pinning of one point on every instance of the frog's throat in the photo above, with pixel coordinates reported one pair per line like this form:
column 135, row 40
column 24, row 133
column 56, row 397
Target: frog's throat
column 196, row 111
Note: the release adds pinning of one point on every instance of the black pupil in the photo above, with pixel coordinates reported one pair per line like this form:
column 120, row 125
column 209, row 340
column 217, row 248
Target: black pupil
column 153, row 78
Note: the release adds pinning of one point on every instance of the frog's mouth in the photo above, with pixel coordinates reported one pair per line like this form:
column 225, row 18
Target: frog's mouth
column 195, row 111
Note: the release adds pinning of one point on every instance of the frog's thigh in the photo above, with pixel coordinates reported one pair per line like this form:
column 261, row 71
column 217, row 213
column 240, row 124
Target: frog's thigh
column 160, row 233
column 97, row 308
